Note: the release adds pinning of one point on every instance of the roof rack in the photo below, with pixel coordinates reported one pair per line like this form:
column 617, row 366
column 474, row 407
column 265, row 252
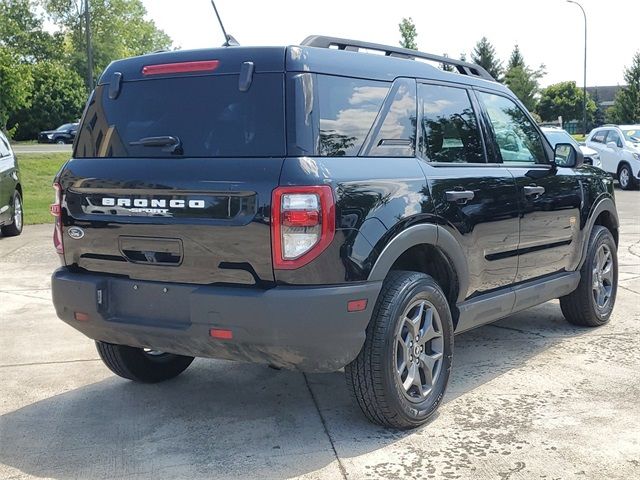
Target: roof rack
column 464, row 68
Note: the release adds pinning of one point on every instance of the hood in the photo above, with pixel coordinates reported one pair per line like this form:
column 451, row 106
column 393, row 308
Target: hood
column 587, row 152
column 48, row 132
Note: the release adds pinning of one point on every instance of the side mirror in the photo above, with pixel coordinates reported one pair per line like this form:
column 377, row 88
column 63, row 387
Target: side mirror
column 566, row 155
column 612, row 145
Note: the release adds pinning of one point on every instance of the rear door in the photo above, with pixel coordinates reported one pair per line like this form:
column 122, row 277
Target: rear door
column 597, row 142
column 611, row 152
column 550, row 198
column 477, row 199
column 173, row 171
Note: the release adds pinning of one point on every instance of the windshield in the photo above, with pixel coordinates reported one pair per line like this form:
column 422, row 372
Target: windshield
column 560, row 136
column 632, row 135
column 66, row 126
column 196, row 116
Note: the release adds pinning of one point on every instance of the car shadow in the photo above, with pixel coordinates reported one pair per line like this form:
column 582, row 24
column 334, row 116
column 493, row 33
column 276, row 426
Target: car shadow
column 230, row 420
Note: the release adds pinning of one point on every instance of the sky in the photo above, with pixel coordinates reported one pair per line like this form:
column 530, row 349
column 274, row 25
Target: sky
column 549, row 32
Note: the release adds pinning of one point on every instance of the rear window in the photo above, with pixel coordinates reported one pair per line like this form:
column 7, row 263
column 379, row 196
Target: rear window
column 208, row 114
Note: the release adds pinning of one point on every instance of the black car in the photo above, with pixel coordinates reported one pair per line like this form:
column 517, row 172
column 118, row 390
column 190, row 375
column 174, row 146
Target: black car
column 63, row 134
column 11, row 214
column 316, row 207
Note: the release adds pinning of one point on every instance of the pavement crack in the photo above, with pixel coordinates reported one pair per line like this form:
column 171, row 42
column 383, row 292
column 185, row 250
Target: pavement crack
column 81, row 360
column 525, row 332
column 628, row 289
column 343, row 471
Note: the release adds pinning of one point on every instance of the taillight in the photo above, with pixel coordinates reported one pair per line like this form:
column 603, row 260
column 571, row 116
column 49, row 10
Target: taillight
column 56, row 211
column 302, row 224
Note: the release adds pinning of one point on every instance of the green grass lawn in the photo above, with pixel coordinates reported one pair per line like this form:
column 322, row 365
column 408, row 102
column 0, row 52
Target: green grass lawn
column 37, row 172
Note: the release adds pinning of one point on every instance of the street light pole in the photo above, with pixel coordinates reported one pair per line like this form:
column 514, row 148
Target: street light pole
column 87, row 31
column 584, row 88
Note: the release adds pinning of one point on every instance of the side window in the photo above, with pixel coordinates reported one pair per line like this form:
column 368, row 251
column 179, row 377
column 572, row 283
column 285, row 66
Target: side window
column 394, row 131
column 347, row 109
column 517, row 138
column 449, row 128
column 613, row 136
column 599, row 136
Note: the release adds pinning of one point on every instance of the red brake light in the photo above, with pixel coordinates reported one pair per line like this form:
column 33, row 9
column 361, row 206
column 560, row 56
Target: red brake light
column 56, row 211
column 300, row 218
column 181, row 67
column 302, row 224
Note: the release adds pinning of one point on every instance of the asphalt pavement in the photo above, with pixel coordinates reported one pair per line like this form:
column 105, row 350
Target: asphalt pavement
column 530, row 397
column 40, row 148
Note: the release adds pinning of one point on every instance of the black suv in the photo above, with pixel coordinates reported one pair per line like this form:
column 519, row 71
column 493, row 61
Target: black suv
column 63, row 134
column 317, row 207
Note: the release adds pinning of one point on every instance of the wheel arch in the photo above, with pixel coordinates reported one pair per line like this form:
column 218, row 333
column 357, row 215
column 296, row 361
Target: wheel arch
column 429, row 249
column 604, row 213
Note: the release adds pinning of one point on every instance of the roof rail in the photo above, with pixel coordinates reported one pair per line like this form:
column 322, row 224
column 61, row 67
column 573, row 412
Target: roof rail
column 464, row 68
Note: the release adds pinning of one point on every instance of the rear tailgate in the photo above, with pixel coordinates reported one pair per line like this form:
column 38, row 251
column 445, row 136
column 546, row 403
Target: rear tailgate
column 193, row 209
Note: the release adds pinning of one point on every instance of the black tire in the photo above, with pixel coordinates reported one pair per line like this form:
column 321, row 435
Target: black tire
column 581, row 306
column 625, row 177
column 15, row 228
column 373, row 376
column 60, row 141
column 140, row 366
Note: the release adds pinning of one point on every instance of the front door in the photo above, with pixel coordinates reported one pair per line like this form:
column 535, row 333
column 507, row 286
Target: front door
column 476, row 200
column 549, row 197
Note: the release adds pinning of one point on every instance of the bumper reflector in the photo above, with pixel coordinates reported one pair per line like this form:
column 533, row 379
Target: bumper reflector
column 357, row 305
column 80, row 316
column 221, row 334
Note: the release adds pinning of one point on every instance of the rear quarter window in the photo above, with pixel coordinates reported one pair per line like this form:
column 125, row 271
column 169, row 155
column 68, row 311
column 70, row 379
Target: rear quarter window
column 209, row 114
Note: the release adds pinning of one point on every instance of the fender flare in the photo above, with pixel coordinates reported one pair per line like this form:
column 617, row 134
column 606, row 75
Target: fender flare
column 429, row 234
column 604, row 205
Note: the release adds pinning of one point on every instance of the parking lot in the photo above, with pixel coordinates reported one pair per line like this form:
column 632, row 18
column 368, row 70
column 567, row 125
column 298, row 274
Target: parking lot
column 530, row 397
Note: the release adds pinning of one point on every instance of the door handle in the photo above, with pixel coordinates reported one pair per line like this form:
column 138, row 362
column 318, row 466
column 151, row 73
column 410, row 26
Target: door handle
column 530, row 190
column 459, row 196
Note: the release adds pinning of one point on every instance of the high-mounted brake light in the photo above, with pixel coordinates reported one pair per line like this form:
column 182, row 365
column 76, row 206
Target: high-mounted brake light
column 180, row 67
column 302, row 224
column 56, row 211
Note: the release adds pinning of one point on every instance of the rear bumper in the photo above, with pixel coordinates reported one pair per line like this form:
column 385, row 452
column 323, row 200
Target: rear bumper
column 306, row 328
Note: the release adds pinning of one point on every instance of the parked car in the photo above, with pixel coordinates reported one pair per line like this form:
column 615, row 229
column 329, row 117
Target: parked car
column 619, row 149
column 11, row 213
column 557, row 135
column 316, row 208
column 63, row 134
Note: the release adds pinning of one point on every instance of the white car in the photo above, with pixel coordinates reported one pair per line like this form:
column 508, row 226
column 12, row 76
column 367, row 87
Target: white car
column 619, row 149
column 557, row 135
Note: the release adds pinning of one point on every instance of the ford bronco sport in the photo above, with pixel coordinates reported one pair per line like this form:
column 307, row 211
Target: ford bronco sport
column 316, row 207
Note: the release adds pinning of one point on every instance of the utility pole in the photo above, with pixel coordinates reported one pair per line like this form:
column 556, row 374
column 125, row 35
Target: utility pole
column 87, row 31
column 584, row 88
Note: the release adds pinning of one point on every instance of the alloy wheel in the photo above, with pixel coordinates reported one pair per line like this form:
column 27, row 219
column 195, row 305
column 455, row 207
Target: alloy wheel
column 602, row 276
column 419, row 347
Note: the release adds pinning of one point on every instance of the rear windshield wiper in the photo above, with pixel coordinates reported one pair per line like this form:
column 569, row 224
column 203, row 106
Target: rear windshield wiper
column 173, row 144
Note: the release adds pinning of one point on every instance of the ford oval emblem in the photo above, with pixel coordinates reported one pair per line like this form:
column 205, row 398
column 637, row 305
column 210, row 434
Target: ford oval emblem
column 76, row 233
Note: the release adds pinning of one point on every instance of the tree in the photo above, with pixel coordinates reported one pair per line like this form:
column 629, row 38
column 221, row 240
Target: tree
column 485, row 55
column 563, row 99
column 447, row 67
column 15, row 87
column 118, row 30
column 58, row 97
column 21, row 31
column 408, row 33
column 626, row 105
column 598, row 114
column 522, row 80
column 516, row 59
